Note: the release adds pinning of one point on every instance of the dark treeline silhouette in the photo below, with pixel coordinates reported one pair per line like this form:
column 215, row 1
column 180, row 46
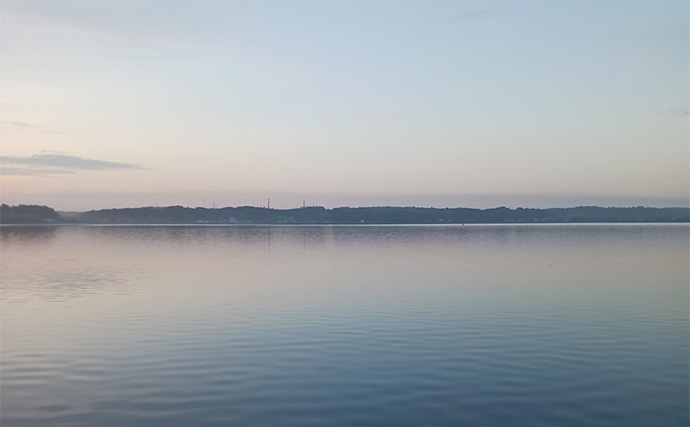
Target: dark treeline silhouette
column 27, row 214
column 380, row 215
column 33, row 214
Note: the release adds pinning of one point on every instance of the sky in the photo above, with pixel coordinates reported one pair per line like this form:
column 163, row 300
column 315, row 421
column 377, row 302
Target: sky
column 128, row 103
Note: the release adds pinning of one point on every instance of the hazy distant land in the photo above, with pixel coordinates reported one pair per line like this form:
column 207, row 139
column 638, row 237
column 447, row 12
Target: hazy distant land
column 33, row 214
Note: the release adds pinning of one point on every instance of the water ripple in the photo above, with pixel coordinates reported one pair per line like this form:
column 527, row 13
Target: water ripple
column 491, row 326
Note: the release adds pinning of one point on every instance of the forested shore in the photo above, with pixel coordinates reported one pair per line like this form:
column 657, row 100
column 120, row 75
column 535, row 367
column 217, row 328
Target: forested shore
column 33, row 214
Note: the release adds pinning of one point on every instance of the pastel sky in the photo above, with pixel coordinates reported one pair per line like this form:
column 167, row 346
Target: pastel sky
column 361, row 102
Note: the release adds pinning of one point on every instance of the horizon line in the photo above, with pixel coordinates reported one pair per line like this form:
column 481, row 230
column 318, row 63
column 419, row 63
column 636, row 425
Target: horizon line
column 368, row 207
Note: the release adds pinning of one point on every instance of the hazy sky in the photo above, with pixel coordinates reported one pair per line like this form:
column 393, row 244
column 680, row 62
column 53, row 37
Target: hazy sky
column 429, row 103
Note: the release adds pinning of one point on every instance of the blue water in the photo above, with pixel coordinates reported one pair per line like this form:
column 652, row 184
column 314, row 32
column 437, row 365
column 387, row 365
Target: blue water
column 525, row 325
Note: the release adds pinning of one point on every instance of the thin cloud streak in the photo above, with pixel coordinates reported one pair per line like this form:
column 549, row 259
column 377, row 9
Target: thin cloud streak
column 57, row 163
column 23, row 125
column 5, row 170
column 29, row 127
column 468, row 17
column 680, row 112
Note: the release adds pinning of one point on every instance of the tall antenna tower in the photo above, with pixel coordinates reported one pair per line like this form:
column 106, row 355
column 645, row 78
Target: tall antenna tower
column 269, row 203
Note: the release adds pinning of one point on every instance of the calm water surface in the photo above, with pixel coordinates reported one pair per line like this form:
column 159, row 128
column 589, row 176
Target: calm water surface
column 534, row 325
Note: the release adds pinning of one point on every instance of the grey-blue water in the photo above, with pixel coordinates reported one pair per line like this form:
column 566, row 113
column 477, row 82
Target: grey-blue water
column 526, row 325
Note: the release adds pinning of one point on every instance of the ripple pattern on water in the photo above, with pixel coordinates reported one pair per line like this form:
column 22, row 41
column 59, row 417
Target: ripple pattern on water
column 346, row 326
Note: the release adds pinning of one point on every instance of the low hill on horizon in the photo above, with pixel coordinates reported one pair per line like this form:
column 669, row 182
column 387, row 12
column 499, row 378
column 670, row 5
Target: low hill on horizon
column 34, row 214
column 380, row 215
column 28, row 214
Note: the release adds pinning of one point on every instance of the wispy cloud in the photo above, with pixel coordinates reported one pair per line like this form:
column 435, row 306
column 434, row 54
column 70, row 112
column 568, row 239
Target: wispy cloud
column 29, row 127
column 47, row 163
column 682, row 112
column 109, row 22
column 468, row 17
column 22, row 125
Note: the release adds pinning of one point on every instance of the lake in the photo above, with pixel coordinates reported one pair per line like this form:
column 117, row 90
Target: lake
column 481, row 325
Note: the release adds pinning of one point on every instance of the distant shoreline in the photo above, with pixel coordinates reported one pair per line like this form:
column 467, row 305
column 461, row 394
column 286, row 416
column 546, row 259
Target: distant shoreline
column 317, row 215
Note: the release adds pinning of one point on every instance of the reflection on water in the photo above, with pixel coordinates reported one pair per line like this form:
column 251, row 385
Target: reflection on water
column 386, row 325
column 26, row 235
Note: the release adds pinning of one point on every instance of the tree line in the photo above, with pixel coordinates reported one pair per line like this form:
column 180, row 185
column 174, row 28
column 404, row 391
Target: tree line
column 34, row 214
column 28, row 214
column 383, row 215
